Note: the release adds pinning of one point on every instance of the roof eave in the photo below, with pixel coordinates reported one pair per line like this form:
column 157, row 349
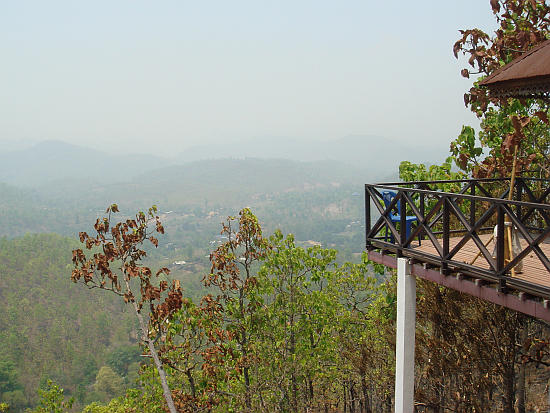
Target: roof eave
column 535, row 87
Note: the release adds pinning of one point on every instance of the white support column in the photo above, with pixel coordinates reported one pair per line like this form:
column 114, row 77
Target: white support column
column 404, row 348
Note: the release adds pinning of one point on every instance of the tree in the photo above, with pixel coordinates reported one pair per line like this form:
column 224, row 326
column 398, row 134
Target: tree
column 52, row 400
column 295, row 338
column 233, row 274
column 8, row 377
column 122, row 357
column 115, row 265
column 505, row 123
column 512, row 130
column 197, row 350
column 108, row 383
column 11, row 391
column 283, row 328
column 366, row 335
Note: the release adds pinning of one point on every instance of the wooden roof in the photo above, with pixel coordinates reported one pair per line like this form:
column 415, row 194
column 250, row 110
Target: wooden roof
column 527, row 76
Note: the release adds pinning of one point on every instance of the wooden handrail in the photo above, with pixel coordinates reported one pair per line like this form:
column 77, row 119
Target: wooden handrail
column 465, row 215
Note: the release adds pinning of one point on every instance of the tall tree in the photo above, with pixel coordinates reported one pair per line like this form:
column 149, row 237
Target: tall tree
column 233, row 274
column 197, row 348
column 115, row 265
column 295, row 339
column 366, row 335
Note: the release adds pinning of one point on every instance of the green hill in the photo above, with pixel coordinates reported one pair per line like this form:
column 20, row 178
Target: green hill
column 50, row 327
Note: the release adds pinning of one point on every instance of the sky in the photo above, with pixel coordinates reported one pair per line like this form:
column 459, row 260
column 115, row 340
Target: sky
column 160, row 77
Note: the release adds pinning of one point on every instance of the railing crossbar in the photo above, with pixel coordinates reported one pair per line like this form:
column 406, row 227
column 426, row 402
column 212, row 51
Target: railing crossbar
column 384, row 216
column 534, row 199
column 471, row 234
column 532, row 244
column 470, row 212
column 466, row 196
column 422, row 224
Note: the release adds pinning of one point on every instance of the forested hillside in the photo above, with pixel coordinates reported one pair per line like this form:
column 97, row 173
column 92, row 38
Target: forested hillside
column 53, row 329
column 54, row 163
column 279, row 327
column 50, row 329
column 86, row 340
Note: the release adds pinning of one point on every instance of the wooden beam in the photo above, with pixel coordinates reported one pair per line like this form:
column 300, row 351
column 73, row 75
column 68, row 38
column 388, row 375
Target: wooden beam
column 527, row 306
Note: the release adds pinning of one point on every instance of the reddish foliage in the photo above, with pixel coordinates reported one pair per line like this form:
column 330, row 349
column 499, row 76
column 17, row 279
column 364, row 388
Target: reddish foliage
column 522, row 25
column 117, row 251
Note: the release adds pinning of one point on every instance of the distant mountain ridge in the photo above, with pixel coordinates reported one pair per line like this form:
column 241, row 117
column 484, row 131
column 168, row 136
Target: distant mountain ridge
column 59, row 165
column 365, row 151
column 50, row 161
column 221, row 181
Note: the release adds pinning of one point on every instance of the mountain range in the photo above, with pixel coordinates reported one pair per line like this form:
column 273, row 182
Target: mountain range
column 51, row 161
column 54, row 163
column 366, row 151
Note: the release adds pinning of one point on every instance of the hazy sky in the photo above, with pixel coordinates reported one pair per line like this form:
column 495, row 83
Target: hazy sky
column 162, row 76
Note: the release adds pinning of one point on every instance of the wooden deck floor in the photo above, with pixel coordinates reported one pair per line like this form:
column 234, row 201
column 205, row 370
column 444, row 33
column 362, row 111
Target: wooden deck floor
column 533, row 269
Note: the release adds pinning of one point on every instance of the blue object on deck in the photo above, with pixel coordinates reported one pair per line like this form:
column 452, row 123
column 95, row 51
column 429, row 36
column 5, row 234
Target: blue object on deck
column 388, row 197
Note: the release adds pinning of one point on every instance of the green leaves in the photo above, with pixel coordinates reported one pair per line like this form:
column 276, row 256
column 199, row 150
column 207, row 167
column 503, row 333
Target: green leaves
column 8, row 377
column 409, row 171
column 313, row 310
column 282, row 327
column 464, row 148
column 52, row 400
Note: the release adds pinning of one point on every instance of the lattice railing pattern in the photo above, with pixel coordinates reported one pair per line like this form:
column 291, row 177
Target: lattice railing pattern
column 449, row 220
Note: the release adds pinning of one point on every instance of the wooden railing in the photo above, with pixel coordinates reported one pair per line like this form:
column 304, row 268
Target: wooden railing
column 461, row 211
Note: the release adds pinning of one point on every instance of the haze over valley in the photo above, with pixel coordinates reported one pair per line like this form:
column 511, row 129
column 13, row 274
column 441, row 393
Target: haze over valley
column 183, row 225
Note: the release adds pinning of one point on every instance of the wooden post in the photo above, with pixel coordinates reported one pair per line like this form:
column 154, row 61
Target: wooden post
column 479, row 252
column 500, row 238
column 509, row 251
column 446, row 236
column 422, row 210
column 403, row 222
column 472, row 204
column 367, row 217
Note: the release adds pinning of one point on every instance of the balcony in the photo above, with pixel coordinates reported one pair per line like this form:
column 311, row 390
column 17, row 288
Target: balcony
column 451, row 240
